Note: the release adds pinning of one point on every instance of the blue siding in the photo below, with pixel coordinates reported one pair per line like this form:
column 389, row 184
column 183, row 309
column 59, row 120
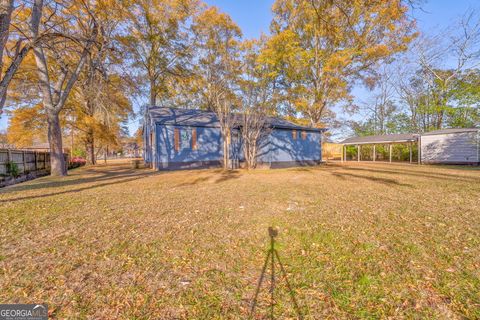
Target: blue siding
column 147, row 153
column 209, row 145
column 280, row 146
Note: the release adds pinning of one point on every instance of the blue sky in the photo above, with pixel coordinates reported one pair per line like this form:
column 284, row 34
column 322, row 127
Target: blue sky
column 253, row 17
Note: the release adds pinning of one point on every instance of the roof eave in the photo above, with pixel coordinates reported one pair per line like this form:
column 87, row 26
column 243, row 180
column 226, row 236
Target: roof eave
column 300, row 128
column 378, row 142
column 440, row 132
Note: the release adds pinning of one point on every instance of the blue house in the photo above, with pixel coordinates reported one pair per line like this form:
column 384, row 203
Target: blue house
column 187, row 139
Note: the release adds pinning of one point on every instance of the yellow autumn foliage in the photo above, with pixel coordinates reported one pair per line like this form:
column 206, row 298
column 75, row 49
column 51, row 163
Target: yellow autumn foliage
column 319, row 48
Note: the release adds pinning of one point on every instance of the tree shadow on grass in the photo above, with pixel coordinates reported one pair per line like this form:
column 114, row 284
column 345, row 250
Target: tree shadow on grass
column 118, row 181
column 193, row 182
column 344, row 175
column 220, row 175
column 228, row 175
column 95, row 176
column 414, row 173
column 302, row 169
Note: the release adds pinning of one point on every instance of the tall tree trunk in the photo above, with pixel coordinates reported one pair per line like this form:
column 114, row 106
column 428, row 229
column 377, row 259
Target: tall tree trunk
column 90, row 138
column 71, row 148
column 226, row 155
column 153, row 94
column 10, row 72
column 6, row 9
column 57, row 161
column 90, row 147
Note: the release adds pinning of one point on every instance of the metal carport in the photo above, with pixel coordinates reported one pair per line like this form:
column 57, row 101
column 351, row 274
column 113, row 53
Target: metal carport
column 387, row 139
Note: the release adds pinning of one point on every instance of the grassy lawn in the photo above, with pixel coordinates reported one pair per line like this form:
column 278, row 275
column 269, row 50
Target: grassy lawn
column 358, row 241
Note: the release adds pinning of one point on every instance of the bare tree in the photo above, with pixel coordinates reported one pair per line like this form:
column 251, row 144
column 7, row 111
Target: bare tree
column 222, row 106
column 461, row 45
column 254, row 130
column 381, row 106
column 257, row 91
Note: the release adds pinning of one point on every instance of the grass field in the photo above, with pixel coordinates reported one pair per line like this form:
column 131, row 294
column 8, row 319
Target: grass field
column 358, row 241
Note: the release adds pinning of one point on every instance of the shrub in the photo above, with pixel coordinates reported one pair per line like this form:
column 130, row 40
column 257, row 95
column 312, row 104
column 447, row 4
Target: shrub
column 12, row 169
column 77, row 162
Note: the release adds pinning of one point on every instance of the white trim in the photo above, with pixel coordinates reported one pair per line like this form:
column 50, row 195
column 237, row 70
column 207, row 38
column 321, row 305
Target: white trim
column 478, row 146
column 434, row 133
column 420, row 153
column 378, row 142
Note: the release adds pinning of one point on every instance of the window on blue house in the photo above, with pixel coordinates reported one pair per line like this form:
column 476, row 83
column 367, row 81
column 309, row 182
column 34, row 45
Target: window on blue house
column 304, row 135
column 294, row 134
column 185, row 138
column 176, row 139
column 194, row 138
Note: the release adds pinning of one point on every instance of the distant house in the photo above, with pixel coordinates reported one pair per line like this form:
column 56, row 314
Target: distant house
column 186, row 138
column 42, row 147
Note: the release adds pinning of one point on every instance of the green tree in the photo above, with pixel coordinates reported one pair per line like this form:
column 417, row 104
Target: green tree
column 465, row 112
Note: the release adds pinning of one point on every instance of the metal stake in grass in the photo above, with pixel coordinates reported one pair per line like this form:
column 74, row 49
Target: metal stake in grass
column 271, row 254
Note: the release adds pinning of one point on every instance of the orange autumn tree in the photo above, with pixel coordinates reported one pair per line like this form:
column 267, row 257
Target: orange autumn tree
column 95, row 105
column 318, row 49
column 15, row 43
column 97, row 112
column 27, row 126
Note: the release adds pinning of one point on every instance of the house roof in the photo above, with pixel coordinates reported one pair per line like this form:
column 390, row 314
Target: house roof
column 201, row 118
column 387, row 138
column 451, row 130
column 44, row 145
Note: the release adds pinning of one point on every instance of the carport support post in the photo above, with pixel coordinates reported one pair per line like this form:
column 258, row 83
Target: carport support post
column 390, row 152
column 374, row 153
column 24, row 162
column 358, row 152
column 419, row 149
column 344, row 153
column 153, row 148
column 410, row 149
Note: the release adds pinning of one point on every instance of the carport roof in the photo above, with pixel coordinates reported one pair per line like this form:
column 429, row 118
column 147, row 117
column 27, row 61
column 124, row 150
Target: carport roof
column 387, row 138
